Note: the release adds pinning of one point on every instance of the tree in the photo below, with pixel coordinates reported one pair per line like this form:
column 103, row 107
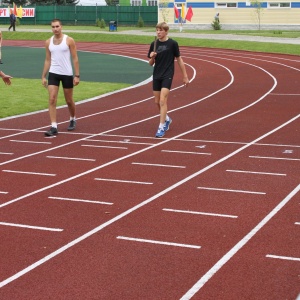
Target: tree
column 258, row 10
column 163, row 7
column 17, row 2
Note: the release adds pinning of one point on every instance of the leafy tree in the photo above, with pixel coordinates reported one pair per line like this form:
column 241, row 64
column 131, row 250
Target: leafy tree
column 258, row 10
column 47, row 2
column 17, row 2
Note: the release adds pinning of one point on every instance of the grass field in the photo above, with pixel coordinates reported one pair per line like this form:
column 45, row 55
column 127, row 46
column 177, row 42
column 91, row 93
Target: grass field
column 12, row 97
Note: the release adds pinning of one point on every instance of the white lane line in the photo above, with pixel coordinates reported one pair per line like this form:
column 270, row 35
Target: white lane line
column 149, row 200
column 3, row 192
column 6, row 153
column 108, row 147
column 118, row 142
column 199, row 213
column 123, row 181
column 270, row 157
column 297, row 223
column 158, row 242
column 80, row 200
column 185, row 152
column 30, row 173
column 221, row 262
column 227, row 190
column 71, row 158
column 138, row 206
column 283, row 257
column 285, row 94
column 30, row 227
column 158, row 165
column 259, row 173
column 29, row 142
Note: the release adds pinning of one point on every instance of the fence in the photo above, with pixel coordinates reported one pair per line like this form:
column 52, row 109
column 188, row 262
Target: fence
column 88, row 15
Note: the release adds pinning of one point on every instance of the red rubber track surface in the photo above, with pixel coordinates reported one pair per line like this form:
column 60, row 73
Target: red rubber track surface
column 211, row 211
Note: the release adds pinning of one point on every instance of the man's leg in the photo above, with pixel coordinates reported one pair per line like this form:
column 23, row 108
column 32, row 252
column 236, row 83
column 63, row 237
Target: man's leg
column 71, row 106
column 53, row 92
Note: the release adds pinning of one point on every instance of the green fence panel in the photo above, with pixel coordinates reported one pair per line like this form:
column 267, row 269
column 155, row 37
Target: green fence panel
column 88, row 15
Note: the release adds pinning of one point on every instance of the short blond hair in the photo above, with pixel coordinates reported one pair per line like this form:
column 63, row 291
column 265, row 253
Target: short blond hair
column 163, row 26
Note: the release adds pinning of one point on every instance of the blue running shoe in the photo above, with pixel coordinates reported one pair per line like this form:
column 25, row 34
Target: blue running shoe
column 160, row 133
column 167, row 124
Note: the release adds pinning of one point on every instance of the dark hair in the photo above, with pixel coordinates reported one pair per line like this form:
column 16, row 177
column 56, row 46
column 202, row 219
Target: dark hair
column 56, row 20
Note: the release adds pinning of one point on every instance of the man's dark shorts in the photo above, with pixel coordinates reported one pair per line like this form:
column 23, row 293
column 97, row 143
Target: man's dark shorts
column 158, row 84
column 66, row 80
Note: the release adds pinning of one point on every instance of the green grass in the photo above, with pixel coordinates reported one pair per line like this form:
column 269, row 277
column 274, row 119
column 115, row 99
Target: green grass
column 18, row 99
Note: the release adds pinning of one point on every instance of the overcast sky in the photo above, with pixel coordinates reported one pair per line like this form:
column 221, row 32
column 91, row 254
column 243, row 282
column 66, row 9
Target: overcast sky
column 92, row 2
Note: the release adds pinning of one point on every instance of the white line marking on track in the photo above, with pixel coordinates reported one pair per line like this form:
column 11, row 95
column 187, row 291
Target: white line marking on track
column 108, row 147
column 259, row 173
column 297, row 223
column 6, row 153
column 158, row 242
column 199, row 213
column 80, row 200
column 30, row 173
column 123, row 181
column 219, row 264
column 228, row 190
column 145, row 202
column 29, row 142
column 279, row 158
column 185, row 152
column 30, row 227
column 3, row 192
column 118, row 142
column 283, row 257
column 158, row 165
column 71, row 158
column 149, row 200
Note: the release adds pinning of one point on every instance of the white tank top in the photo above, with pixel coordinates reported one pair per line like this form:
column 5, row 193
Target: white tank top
column 60, row 57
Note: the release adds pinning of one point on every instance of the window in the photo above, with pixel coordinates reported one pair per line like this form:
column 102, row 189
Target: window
column 279, row 4
column 152, row 3
column 136, row 2
column 226, row 5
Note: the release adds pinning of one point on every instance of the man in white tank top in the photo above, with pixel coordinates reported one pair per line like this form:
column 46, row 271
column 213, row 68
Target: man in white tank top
column 59, row 50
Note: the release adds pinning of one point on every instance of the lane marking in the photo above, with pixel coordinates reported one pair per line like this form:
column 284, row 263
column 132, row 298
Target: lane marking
column 71, row 158
column 220, row 263
column 30, row 227
column 283, row 257
column 30, row 173
column 228, row 190
column 158, row 165
column 199, row 213
column 118, row 142
column 279, row 158
column 3, row 192
column 260, row 173
column 158, row 242
column 29, row 142
column 149, row 200
column 80, row 200
column 185, row 152
column 123, row 181
column 6, row 153
column 136, row 207
column 297, row 223
column 108, row 147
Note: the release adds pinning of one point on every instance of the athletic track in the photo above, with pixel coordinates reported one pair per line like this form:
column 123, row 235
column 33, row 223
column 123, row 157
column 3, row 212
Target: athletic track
column 211, row 211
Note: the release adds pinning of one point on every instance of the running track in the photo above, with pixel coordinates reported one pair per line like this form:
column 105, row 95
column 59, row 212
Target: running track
column 209, row 212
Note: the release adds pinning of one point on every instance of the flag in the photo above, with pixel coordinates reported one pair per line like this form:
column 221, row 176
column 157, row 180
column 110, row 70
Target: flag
column 189, row 14
column 176, row 12
column 15, row 9
column 182, row 12
column 20, row 12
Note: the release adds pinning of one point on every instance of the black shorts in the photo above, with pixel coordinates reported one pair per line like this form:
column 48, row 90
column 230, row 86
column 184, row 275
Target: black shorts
column 66, row 80
column 158, row 84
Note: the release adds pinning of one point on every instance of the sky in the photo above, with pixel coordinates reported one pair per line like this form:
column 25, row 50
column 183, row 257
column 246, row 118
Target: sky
column 92, row 2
